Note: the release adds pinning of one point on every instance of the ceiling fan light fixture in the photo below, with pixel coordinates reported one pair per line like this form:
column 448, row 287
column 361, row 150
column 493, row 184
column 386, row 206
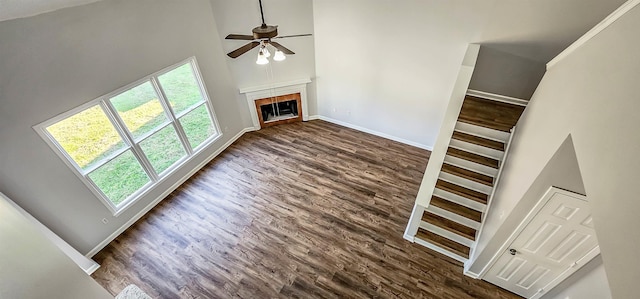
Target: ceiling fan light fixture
column 279, row 56
column 261, row 37
column 262, row 60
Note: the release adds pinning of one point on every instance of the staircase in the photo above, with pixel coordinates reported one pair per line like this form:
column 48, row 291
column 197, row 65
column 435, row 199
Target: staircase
column 450, row 222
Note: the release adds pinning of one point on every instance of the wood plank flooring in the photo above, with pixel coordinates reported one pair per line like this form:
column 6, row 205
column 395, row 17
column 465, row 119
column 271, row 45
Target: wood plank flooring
column 468, row 174
column 456, row 208
column 304, row 210
column 449, row 225
column 462, row 191
column 496, row 145
column 469, row 156
column 491, row 114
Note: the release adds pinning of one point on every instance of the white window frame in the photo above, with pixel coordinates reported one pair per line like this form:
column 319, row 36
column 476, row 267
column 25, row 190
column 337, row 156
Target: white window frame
column 130, row 144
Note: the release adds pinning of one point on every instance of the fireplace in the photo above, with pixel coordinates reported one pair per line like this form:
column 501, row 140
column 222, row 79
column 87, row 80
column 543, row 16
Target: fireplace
column 277, row 103
column 279, row 110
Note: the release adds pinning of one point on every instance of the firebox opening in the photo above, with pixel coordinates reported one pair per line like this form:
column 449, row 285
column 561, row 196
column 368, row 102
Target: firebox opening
column 279, row 111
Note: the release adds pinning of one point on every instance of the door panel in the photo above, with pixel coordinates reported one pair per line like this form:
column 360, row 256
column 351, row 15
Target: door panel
column 559, row 235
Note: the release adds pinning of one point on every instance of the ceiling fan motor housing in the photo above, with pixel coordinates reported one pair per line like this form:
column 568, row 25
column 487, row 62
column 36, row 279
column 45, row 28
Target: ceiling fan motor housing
column 265, row 31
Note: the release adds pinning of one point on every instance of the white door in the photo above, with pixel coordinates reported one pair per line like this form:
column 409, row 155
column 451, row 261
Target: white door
column 556, row 242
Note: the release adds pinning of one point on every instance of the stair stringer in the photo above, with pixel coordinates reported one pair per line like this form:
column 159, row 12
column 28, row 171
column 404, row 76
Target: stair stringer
column 472, row 253
column 442, row 141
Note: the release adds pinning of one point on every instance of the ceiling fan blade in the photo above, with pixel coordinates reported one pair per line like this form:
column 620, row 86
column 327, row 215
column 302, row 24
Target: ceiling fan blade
column 295, row 35
column 240, row 37
column 244, row 49
column 282, row 48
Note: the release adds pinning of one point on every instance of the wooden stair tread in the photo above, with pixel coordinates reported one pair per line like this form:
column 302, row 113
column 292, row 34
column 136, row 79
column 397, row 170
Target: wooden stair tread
column 490, row 114
column 443, row 243
column 488, row 143
column 456, row 208
column 468, row 174
column 449, row 225
column 462, row 191
column 486, row 161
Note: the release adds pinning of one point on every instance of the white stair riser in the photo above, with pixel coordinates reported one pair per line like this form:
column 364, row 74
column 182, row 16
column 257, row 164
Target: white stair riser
column 469, row 184
column 445, row 233
column 454, row 217
column 466, row 164
column 482, row 132
column 477, row 149
column 440, row 250
column 459, row 200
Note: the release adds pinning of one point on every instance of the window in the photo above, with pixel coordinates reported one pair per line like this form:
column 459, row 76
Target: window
column 124, row 143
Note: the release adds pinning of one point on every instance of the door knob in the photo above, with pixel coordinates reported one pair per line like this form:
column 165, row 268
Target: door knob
column 512, row 251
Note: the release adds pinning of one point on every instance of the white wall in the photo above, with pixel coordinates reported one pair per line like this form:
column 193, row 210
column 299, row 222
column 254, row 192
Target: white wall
column 56, row 61
column 506, row 213
column 588, row 282
column 505, row 74
column 292, row 17
column 390, row 66
column 33, row 267
column 592, row 95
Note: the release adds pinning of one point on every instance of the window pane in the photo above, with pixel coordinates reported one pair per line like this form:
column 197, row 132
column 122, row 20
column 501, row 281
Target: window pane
column 197, row 125
column 140, row 109
column 181, row 88
column 120, row 177
column 87, row 137
column 163, row 148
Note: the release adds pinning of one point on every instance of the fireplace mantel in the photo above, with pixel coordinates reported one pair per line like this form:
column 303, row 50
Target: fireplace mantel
column 273, row 90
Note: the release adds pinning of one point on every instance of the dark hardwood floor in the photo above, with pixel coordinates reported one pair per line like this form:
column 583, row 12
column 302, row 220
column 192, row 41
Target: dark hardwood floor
column 491, row 114
column 304, row 210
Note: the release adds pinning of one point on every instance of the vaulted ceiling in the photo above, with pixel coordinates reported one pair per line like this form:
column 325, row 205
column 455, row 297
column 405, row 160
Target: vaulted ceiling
column 540, row 29
column 13, row 9
column 535, row 29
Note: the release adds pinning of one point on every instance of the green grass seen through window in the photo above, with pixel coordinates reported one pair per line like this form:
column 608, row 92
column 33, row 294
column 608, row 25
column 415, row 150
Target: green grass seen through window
column 88, row 137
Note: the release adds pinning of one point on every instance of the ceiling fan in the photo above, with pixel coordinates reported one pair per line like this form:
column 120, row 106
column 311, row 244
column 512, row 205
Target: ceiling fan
column 262, row 36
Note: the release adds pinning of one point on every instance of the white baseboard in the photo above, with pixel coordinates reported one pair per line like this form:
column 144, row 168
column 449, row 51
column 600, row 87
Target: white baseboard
column 409, row 238
column 472, row 275
column 92, row 269
column 150, row 206
column 372, row 132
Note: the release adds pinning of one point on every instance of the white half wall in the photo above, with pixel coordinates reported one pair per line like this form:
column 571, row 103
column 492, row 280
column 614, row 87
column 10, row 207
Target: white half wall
column 390, row 66
column 592, row 95
column 33, row 267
